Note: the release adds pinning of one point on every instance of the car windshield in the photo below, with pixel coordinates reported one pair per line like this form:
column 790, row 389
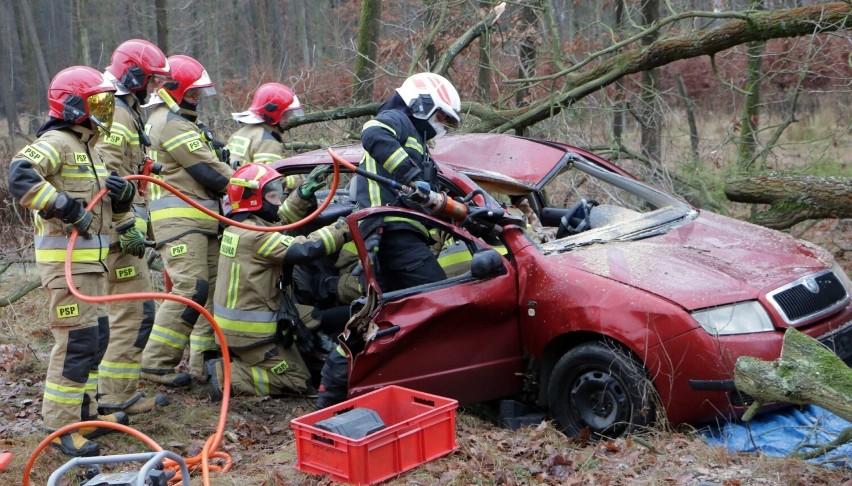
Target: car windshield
column 585, row 203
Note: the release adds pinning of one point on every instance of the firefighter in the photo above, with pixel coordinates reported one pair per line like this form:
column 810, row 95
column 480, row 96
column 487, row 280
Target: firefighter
column 187, row 237
column 260, row 323
column 260, row 139
column 395, row 147
column 57, row 176
column 137, row 68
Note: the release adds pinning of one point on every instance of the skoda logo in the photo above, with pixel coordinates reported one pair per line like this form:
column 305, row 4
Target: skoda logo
column 811, row 284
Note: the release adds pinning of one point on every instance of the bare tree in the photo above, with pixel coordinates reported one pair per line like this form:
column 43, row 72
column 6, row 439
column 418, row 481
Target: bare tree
column 368, row 37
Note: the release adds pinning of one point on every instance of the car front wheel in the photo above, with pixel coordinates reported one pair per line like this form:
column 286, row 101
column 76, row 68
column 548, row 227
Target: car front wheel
column 600, row 387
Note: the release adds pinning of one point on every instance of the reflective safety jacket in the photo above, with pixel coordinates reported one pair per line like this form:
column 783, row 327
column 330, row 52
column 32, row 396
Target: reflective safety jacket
column 394, row 148
column 122, row 149
column 259, row 143
column 247, row 297
column 63, row 159
column 190, row 165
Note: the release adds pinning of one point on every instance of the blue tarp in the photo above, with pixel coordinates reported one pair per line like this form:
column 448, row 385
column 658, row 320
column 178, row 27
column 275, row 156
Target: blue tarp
column 779, row 433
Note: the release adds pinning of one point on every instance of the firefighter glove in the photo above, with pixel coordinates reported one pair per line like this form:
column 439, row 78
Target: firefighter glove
column 70, row 211
column 119, row 189
column 130, row 239
column 314, row 182
column 420, row 194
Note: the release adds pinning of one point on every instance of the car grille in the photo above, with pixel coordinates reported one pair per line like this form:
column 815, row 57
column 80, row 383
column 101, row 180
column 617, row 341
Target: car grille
column 809, row 297
column 840, row 341
column 740, row 399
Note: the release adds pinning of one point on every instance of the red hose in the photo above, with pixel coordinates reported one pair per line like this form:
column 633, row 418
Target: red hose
column 213, row 442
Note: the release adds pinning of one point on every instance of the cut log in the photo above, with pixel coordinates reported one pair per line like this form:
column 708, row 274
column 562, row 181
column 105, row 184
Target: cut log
column 806, row 373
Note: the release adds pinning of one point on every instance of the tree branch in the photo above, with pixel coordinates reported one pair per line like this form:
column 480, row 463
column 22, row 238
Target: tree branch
column 761, row 25
column 443, row 64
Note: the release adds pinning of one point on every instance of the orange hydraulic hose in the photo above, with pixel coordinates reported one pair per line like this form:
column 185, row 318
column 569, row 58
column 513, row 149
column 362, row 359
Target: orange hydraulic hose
column 213, row 442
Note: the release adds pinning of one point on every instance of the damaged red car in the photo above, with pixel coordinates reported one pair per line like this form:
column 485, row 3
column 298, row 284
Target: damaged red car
column 615, row 305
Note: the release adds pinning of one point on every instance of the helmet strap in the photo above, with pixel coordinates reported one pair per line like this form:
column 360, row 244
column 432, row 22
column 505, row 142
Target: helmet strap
column 268, row 212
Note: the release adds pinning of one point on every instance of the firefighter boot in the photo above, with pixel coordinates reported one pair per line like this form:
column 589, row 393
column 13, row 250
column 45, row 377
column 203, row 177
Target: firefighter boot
column 177, row 380
column 94, row 432
column 216, row 374
column 74, row 444
column 141, row 404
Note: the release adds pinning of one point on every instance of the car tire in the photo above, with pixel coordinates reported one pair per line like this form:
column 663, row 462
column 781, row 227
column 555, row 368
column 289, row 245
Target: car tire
column 600, row 387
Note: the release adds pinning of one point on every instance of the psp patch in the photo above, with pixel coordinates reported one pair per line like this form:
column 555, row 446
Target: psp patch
column 33, row 154
column 280, row 368
column 125, row 272
column 66, row 311
column 178, row 250
column 194, row 144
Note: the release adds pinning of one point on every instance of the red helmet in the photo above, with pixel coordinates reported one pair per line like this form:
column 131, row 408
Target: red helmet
column 79, row 93
column 187, row 73
column 250, row 184
column 134, row 61
column 272, row 100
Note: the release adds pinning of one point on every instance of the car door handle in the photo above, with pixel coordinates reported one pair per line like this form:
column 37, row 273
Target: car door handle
column 387, row 331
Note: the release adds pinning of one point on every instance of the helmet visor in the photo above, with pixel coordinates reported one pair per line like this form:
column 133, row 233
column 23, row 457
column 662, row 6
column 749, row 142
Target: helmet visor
column 273, row 191
column 157, row 81
column 447, row 119
column 101, row 109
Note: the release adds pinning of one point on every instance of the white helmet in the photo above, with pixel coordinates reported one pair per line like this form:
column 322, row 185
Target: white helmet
column 431, row 97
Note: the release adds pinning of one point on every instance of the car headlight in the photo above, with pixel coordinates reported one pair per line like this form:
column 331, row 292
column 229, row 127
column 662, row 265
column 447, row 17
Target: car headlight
column 739, row 318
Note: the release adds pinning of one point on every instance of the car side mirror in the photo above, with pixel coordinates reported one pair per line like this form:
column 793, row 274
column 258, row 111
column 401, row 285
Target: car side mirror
column 486, row 263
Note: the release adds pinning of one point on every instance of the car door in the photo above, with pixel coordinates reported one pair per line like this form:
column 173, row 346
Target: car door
column 457, row 338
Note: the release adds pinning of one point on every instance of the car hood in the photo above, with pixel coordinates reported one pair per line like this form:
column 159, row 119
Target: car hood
column 712, row 260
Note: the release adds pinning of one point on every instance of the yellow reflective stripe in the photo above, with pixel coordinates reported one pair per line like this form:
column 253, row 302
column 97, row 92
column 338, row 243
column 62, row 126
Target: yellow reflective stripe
column 233, row 285
column 416, row 224
column 64, row 394
column 260, row 377
column 191, row 213
column 43, row 196
column 413, row 144
column 454, row 258
column 168, row 337
column 349, row 247
column 78, row 171
column 290, row 214
column 374, row 123
column 131, row 136
column 77, row 256
column 251, row 327
column 265, row 158
column 179, row 140
column 373, row 188
column 395, row 159
column 115, row 369
column 327, row 240
column 92, row 382
column 203, row 343
column 51, row 153
column 267, row 246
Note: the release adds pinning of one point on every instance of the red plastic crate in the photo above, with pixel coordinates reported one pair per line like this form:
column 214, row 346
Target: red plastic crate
column 419, row 427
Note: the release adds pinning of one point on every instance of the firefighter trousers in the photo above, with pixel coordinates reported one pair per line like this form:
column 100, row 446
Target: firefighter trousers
column 191, row 262
column 264, row 371
column 80, row 332
column 130, row 325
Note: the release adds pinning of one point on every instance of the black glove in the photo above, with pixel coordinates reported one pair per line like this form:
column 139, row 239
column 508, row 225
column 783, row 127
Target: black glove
column 69, row 211
column 119, row 189
column 480, row 221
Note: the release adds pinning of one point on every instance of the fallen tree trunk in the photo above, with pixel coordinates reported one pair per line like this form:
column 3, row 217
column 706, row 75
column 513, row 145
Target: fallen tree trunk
column 806, row 373
column 793, row 198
